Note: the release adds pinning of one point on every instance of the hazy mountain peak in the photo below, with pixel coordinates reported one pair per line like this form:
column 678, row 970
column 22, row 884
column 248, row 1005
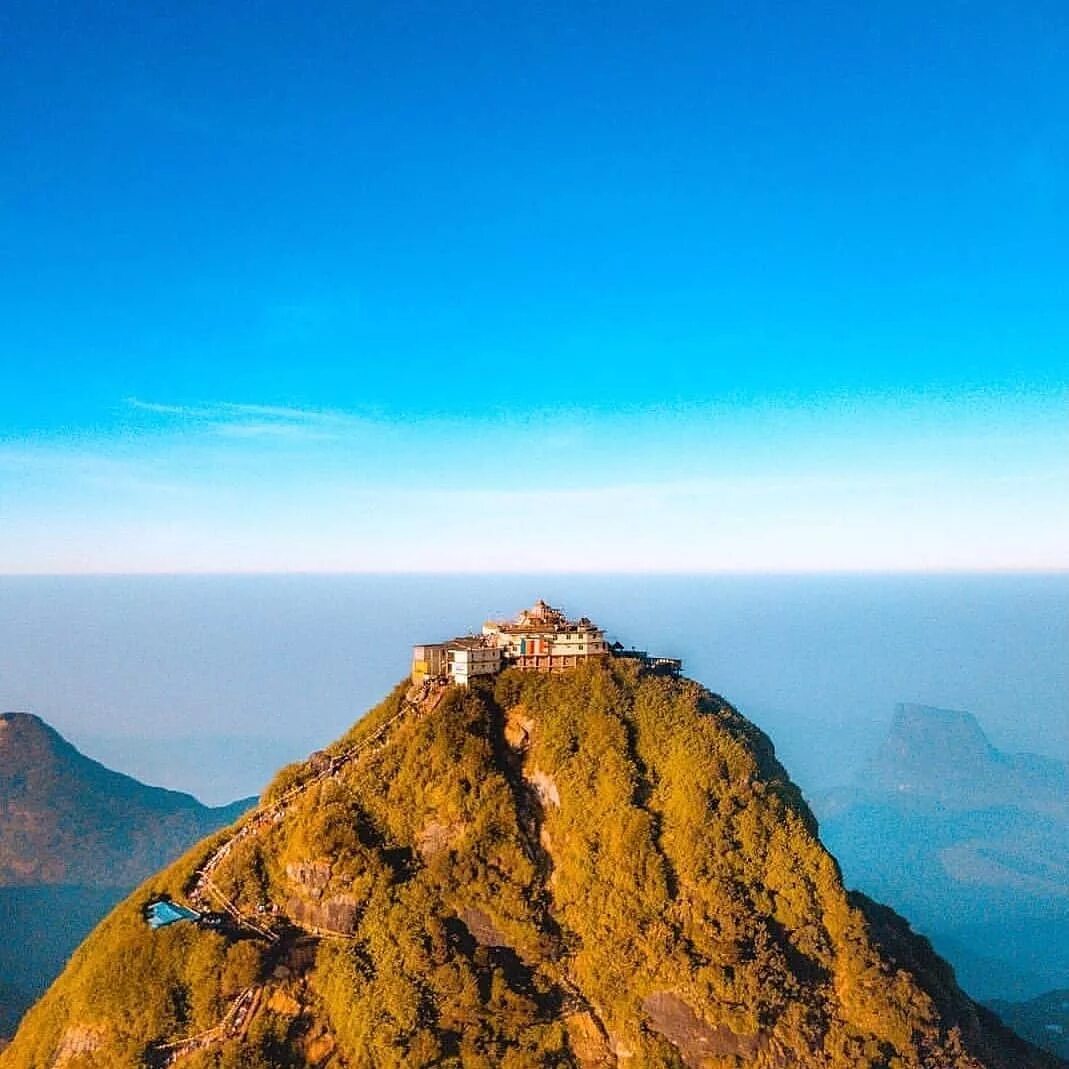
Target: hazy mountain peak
column 74, row 836
column 943, row 756
column 915, row 723
column 25, row 733
column 970, row 842
column 67, row 819
column 926, row 746
column 17, row 718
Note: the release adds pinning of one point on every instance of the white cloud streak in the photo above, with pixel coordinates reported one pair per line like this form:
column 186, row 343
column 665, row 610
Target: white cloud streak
column 244, row 420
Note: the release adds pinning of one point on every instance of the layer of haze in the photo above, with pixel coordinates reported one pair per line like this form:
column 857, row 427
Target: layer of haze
column 208, row 684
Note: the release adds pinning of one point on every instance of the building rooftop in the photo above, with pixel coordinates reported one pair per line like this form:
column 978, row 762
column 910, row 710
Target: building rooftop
column 472, row 642
column 538, row 639
column 542, row 617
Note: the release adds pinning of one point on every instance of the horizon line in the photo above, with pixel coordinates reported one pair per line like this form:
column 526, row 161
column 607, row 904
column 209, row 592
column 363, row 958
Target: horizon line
column 1057, row 570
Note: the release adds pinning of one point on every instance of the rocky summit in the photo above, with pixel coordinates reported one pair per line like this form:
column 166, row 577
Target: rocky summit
column 601, row 868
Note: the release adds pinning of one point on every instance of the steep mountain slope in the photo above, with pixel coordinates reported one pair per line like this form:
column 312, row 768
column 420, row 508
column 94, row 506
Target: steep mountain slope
column 65, row 819
column 972, row 844
column 602, row 868
column 75, row 837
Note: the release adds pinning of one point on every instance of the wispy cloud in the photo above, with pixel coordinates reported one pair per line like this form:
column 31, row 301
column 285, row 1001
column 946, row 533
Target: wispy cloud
column 163, row 410
column 244, row 420
column 287, row 412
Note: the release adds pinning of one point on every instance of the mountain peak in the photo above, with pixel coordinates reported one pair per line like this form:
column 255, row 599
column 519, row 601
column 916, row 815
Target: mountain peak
column 943, row 756
column 606, row 867
column 929, row 752
column 926, row 734
column 33, row 752
column 19, row 718
column 19, row 729
column 67, row 819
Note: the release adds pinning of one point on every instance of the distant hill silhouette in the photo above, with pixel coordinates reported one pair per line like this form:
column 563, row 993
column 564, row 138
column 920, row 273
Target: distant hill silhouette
column 1044, row 1020
column 74, row 838
column 969, row 842
column 943, row 756
column 66, row 819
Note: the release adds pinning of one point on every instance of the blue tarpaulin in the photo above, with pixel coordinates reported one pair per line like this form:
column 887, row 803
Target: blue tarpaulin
column 160, row 914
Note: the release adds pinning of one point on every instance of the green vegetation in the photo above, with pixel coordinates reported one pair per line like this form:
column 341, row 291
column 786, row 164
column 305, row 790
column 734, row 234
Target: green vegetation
column 605, row 867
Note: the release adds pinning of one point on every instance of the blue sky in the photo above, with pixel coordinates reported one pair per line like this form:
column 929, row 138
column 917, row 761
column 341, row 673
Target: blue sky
column 581, row 286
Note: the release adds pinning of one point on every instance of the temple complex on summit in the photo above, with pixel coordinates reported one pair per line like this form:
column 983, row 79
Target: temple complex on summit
column 539, row 639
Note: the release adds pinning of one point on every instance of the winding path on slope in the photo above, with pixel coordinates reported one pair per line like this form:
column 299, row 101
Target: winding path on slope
column 204, row 893
column 204, row 889
column 235, row 1022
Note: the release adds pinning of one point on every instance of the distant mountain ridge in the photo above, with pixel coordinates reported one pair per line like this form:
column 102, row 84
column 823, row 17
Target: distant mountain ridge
column 1043, row 1020
column 66, row 819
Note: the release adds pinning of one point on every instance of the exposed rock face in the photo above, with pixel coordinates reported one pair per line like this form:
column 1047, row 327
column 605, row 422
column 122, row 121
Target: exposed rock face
column 620, row 875
column 545, row 787
column 337, row 914
column 518, row 728
column 316, row 904
column 696, row 1041
column 77, row 1043
column 589, row 1045
column 435, row 838
column 482, row 928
